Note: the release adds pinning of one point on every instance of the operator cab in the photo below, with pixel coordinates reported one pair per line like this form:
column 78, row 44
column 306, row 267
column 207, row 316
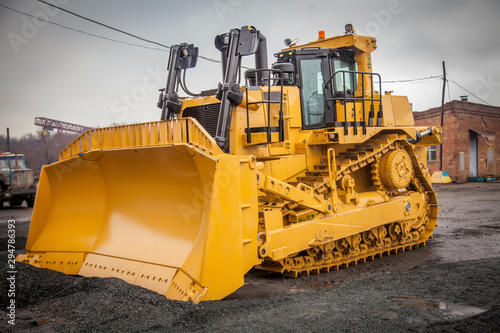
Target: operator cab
column 313, row 73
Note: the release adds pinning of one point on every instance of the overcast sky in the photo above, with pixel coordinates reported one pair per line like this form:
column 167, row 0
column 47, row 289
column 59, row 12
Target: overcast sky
column 48, row 71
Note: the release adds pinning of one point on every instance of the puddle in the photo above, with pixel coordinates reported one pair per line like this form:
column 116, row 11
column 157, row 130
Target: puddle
column 459, row 311
column 450, row 311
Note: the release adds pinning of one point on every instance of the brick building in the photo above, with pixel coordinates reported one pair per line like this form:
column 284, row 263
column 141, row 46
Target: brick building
column 471, row 134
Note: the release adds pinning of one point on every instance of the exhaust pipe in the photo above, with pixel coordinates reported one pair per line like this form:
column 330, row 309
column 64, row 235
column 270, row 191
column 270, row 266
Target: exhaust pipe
column 261, row 59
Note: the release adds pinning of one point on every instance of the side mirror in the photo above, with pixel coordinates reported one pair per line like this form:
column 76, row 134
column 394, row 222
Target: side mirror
column 248, row 41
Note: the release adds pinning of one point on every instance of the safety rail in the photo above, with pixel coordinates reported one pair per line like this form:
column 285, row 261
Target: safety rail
column 183, row 130
column 267, row 129
column 347, row 96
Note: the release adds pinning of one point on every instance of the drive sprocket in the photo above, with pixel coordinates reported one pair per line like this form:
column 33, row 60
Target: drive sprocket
column 396, row 169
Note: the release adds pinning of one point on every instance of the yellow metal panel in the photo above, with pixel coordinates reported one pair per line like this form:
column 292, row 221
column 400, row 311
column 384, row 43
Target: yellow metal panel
column 65, row 262
column 362, row 43
column 41, row 209
column 105, row 266
column 261, row 138
column 389, row 117
column 402, row 111
column 70, row 201
column 273, row 219
column 154, row 277
column 280, row 148
column 129, row 190
column 397, row 111
column 183, row 288
column 293, row 106
column 144, row 135
column 199, row 101
column 287, row 167
column 223, row 251
column 249, row 212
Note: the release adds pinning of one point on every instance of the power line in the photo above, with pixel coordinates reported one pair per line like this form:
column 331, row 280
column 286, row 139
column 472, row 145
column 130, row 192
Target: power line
column 81, row 31
column 102, row 24
column 213, row 60
column 121, row 31
column 102, row 37
column 435, row 79
column 218, row 61
column 417, row 82
column 167, row 47
column 470, row 92
column 412, row 80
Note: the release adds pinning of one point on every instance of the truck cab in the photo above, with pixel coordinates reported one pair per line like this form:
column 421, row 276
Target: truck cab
column 17, row 183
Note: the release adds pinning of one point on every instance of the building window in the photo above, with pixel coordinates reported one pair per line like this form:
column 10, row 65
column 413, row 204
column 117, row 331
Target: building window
column 431, row 153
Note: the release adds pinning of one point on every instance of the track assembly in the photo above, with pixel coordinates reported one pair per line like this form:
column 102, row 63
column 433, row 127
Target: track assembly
column 402, row 175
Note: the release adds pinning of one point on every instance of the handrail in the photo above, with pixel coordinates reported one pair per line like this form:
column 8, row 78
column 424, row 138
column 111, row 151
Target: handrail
column 268, row 101
column 345, row 98
column 182, row 130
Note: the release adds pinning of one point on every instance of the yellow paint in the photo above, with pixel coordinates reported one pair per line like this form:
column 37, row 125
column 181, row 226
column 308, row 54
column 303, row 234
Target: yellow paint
column 440, row 177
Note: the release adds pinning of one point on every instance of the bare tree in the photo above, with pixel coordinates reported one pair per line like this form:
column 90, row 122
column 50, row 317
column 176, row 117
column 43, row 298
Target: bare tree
column 39, row 149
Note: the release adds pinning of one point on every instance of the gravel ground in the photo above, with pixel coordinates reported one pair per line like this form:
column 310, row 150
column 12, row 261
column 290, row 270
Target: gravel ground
column 452, row 285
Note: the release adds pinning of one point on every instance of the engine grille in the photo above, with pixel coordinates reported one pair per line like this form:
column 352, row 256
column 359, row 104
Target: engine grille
column 206, row 115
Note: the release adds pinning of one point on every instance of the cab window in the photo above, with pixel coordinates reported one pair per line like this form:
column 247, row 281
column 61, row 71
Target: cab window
column 21, row 163
column 4, row 165
column 344, row 81
column 13, row 165
column 313, row 102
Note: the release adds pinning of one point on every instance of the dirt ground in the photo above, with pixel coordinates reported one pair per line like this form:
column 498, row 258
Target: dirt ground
column 451, row 285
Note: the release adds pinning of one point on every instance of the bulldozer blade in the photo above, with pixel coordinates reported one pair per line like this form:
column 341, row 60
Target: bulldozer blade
column 173, row 219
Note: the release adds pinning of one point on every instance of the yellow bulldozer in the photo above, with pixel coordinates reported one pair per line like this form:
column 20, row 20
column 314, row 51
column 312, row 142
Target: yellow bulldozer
column 301, row 168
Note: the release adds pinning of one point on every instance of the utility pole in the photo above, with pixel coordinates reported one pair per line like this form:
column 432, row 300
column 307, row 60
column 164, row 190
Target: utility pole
column 442, row 118
column 8, row 140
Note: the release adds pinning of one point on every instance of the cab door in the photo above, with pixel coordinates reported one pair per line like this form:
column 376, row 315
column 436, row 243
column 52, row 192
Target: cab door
column 313, row 71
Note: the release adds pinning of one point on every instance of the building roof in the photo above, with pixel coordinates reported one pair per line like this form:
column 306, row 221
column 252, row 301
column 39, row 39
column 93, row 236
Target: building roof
column 462, row 107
